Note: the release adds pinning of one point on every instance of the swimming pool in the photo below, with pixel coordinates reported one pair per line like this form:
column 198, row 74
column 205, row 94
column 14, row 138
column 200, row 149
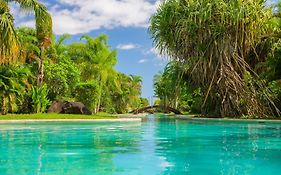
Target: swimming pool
column 153, row 146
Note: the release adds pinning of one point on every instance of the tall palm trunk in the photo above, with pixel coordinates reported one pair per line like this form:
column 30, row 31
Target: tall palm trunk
column 4, row 110
column 40, row 76
column 97, row 108
column 99, row 97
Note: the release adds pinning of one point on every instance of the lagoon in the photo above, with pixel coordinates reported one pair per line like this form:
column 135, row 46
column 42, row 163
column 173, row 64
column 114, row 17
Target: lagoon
column 156, row 145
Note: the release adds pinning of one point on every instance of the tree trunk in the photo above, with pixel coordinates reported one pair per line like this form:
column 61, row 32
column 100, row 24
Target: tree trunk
column 40, row 76
column 99, row 97
column 4, row 110
column 99, row 100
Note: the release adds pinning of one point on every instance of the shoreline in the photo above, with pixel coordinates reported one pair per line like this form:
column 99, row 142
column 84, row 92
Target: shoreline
column 118, row 118
column 70, row 120
column 190, row 117
column 141, row 115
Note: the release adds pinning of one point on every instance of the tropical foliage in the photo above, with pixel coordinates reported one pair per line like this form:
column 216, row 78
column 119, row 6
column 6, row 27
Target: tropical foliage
column 173, row 90
column 10, row 48
column 13, row 84
column 221, row 45
column 225, row 61
column 39, row 96
column 37, row 69
column 82, row 71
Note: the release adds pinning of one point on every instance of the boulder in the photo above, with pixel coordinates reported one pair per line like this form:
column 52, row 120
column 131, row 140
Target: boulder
column 65, row 107
column 76, row 108
column 57, row 107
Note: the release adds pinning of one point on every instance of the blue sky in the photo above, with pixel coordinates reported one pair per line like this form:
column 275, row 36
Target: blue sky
column 124, row 21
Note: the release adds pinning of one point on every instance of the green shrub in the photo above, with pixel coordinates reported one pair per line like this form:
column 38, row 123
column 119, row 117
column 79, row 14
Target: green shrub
column 87, row 93
column 61, row 78
column 40, row 99
column 13, row 84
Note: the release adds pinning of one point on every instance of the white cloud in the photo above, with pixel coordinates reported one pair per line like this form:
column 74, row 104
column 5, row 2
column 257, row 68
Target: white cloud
column 127, row 46
column 88, row 15
column 142, row 61
column 83, row 16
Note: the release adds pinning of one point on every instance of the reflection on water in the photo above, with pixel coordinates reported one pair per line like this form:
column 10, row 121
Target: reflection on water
column 158, row 145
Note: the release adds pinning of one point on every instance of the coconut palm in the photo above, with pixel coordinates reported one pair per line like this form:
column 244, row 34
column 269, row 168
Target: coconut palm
column 8, row 41
column 96, row 60
column 103, row 60
column 136, row 84
column 29, row 45
column 213, row 38
column 122, row 98
column 9, row 45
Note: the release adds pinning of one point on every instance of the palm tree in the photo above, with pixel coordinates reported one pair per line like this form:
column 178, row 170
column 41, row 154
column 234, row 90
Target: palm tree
column 59, row 45
column 213, row 38
column 103, row 59
column 127, row 96
column 135, row 84
column 96, row 60
column 8, row 41
column 9, row 45
column 29, row 45
column 168, row 85
column 121, row 97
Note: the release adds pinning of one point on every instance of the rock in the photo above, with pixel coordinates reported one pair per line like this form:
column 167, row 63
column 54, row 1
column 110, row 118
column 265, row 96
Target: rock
column 76, row 108
column 65, row 107
column 57, row 107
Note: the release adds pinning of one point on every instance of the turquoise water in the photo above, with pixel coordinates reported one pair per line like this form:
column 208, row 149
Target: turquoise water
column 153, row 146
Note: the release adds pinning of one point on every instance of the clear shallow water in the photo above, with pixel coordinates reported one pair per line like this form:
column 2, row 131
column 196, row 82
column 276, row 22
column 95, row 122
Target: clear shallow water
column 154, row 146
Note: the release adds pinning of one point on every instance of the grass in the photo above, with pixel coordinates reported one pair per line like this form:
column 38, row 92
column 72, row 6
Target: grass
column 55, row 116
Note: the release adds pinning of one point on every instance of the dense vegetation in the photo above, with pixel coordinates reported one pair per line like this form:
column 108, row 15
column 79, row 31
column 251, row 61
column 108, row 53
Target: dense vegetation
column 37, row 69
column 225, row 62
column 225, row 57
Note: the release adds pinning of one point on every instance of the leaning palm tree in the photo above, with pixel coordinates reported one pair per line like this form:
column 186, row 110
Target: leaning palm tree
column 213, row 38
column 9, row 46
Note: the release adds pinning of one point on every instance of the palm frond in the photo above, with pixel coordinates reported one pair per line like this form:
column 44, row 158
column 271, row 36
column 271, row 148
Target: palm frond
column 43, row 20
column 9, row 47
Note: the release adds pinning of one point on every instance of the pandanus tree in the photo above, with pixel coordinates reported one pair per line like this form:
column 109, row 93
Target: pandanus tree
column 213, row 38
column 9, row 44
